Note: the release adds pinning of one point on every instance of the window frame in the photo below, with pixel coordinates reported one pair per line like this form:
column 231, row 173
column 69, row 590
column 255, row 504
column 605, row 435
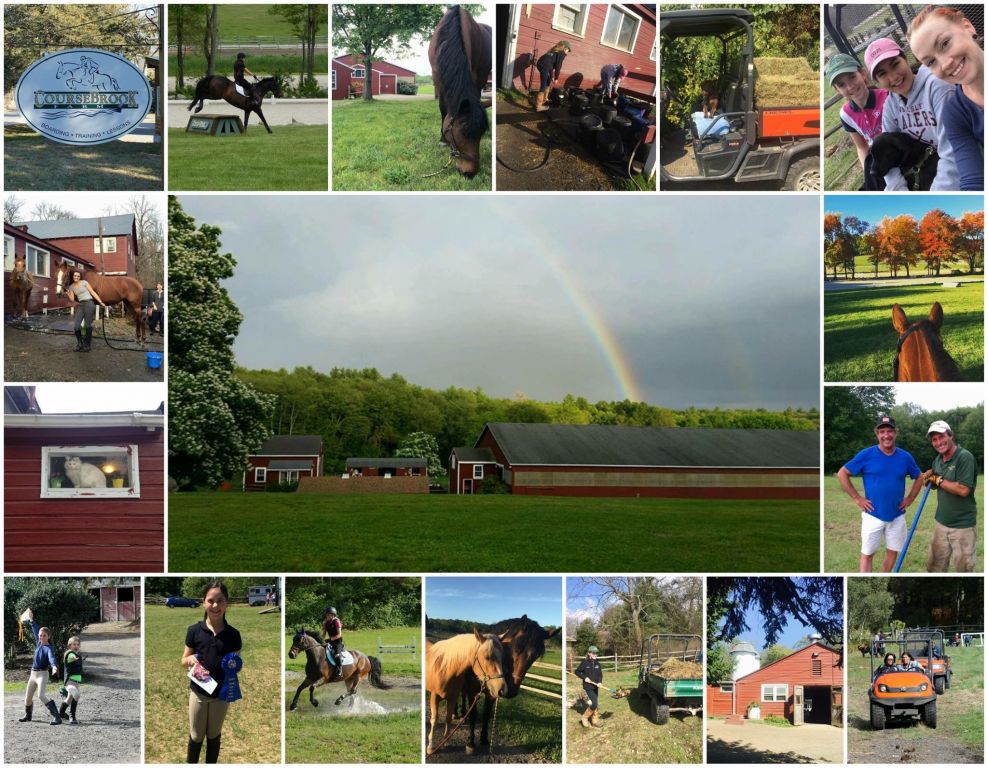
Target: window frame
column 626, row 12
column 46, row 259
column 108, row 241
column 12, row 255
column 584, row 15
column 359, row 72
column 333, row 76
column 774, row 693
column 478, row 472
column 133, row 491
column 261, row 475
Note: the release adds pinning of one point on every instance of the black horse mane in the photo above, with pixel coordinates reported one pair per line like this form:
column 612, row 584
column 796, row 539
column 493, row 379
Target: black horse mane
column 308, row 633
column 454, row 71
column 531, row 632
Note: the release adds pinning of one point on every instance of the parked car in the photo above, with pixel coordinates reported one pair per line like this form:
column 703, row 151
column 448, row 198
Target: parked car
column 176, row 601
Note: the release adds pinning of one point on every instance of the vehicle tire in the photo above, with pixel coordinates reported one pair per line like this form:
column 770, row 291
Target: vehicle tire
column 929, row 714
column 938, row 685
column 803, row 175
column 877, row 717
column 950, row 674
column 659, row 713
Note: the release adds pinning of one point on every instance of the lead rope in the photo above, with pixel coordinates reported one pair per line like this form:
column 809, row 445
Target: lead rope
column 490, row 746
column 448, row 736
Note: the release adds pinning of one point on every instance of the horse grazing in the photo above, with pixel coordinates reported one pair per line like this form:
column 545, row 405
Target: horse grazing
column 318, row 670
column 919, row 354
column 219, row 87
column 21, row 285
column 524, row 644
column 460, row 57
column 113, row 289
column 448, row 663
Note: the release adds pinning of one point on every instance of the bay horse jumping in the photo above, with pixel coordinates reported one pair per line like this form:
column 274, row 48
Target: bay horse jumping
column 524, row 644
column 219, row 87
column 318, row 670
column 460, row 57
column 21, row 285
column 919, row 354
column 113, row 289
column 447, row 666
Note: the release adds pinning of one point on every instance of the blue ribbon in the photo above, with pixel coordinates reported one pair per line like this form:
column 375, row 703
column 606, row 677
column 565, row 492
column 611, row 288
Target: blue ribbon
column 230, row 690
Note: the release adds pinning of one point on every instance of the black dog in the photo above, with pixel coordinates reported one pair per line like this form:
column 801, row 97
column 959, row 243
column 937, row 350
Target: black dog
column 916, row 159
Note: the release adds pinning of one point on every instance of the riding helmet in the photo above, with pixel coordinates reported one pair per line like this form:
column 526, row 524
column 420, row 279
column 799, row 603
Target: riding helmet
column 241, row 55
column 330, row 610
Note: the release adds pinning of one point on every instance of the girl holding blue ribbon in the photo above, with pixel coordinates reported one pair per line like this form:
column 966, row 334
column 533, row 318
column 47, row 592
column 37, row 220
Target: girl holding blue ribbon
column 211, row 648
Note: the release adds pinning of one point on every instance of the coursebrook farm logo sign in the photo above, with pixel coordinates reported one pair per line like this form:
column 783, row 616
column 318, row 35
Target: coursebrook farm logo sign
column 83, row 96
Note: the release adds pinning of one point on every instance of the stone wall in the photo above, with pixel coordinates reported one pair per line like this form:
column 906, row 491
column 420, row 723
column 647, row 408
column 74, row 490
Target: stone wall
column 363, row 485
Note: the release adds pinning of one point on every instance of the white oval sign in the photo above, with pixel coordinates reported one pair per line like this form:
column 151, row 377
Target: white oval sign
column 83, row 96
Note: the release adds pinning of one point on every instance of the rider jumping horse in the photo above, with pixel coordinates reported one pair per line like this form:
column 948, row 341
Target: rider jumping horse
column 219, row 87
column 318, row 670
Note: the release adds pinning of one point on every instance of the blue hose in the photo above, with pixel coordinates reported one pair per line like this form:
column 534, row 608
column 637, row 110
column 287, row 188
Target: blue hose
column 912, row 529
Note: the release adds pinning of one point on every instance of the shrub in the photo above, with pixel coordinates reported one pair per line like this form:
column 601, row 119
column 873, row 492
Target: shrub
column 64, row 606
column 492, row 484
column 407, row 89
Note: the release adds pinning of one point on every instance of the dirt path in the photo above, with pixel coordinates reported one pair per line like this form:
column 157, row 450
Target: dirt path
column 109, row 729
column 756, row 742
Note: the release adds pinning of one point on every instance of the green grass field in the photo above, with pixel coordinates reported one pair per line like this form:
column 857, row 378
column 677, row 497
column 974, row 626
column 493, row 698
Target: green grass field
column 393, row 737
column 864, row 269
column 393, row 145
column 252, row 731
column 628, row 736
column 247, row 21
column 293, row 157
column 260, row 65
column 395, row 533
column 31, row 162
column 859, row 341
column 842, row 528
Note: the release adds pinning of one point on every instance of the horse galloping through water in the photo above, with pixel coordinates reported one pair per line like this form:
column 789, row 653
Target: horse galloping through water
column 219, row 87
column 920, row 355
column 448, row 663
column 21, row 284
column 112, row 289
column 524, row 644
column 318, row 670
column 460, row 57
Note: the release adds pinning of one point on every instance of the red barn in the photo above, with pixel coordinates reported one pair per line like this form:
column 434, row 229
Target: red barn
column 599, row 33
column 51, row 525
column 805, row 686
column 115, row 254
column 41, row 256
column 350, row 69
column 118, row 601
column 283, row 459
column 468, row 467
column 608, row 460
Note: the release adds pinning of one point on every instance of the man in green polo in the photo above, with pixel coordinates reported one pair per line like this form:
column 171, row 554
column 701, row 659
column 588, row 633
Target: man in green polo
column 955, row 476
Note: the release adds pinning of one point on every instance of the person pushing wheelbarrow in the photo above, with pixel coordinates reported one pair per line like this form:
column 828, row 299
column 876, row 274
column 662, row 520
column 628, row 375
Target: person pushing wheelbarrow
column 592, row 675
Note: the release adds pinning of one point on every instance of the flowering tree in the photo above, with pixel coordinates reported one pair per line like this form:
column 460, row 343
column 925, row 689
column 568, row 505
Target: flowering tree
column 422, row 445
column 214, row 419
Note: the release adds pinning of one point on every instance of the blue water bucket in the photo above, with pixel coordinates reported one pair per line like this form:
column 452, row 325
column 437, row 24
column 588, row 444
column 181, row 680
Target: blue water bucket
column 154, row 359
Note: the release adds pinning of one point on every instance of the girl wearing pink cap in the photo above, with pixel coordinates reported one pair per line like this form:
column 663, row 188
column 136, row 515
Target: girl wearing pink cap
column 945, row 41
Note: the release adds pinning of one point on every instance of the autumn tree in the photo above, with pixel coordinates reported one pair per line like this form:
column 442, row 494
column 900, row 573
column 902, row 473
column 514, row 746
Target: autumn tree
column 939, row 236
column 872, row 246
column 900, row 241
column 855, row 228
column 972, row 226
column 838, row 249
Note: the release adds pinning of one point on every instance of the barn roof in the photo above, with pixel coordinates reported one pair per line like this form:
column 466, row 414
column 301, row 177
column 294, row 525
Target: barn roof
column 291, row 445
column 289, row 464
column 809, row 647
column 19, row 231
column 396, row 461
column 475, row 455
column 57, row 228
column 614, row 446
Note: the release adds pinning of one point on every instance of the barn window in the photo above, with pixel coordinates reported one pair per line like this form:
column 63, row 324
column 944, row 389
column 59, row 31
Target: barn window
column 620, row 29
column 87, row 471
column 570, row 18
column 109, row 245
column 654, row 54
column 260, row 474
column 359, row 72
column 8, row 253
column 125, row 594
column 334, row 80
column 478, row 471
column 817, row 668
column 775, row 691
column 288, row 476
column 727, row 687
column 37, row 260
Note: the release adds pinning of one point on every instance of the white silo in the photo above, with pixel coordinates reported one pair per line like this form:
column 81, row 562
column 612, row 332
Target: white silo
column 745, row 659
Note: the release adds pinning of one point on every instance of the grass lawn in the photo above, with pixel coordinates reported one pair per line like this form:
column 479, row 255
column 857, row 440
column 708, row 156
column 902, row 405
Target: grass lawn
column 842, row 528
column 403, row 533
column 628, row 736
column 859, row 341
column 252, row 731
column 293, row 157
column 865, row 269
column 244, row 21
column 841, row 169
column 261, row 65
column 391, row 737
column 31, row 162
column 393, row 145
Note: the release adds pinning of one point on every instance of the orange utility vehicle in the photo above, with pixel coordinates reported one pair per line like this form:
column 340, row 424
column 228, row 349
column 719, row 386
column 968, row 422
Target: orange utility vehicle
column 939, row 662
column 743, row 143
column 900, row 693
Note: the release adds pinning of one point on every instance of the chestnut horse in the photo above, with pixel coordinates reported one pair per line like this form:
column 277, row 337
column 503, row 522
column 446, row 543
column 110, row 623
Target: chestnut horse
column 448, row 663
column 219, row 87
column 113, row 289
column 524, row 644
column 919, row 354
column 460, row 56
column 318, row 670
column 21, row 285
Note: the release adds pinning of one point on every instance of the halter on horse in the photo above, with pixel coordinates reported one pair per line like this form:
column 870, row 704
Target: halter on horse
column 219, row 87
column 919, row 353
column 21, row 285
column 318, row 670
column 112, row 289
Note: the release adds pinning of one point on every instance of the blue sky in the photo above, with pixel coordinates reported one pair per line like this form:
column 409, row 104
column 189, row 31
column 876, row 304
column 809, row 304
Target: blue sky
column 873, row 208
column 756, row 632
column 489, row 599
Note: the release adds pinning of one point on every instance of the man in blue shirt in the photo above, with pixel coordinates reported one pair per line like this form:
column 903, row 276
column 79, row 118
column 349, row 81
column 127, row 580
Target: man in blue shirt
column 883, row 467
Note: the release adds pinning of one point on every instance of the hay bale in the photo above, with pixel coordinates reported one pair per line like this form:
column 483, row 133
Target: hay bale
column 783, row 82
column 778, row 66
column 674, row 669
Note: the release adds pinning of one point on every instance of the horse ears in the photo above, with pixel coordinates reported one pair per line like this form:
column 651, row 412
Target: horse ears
column 899, row 321
column 936, row 315
column 504, row 635
column 476, row 634
column 553, row 633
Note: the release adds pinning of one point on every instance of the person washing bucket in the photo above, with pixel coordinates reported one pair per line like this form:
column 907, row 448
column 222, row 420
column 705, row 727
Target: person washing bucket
column 610, row 79
column 550, row 65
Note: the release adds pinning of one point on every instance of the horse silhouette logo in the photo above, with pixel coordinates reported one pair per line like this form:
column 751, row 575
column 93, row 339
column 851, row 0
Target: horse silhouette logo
column 84, row 75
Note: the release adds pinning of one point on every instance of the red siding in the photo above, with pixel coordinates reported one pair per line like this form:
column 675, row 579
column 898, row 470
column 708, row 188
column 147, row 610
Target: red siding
column 272, row 477
column 386, row 84
column 122, row 261
column 92, row 536
column 343, row 75
column 464, row 471
column 583, row 62
column 36, row 300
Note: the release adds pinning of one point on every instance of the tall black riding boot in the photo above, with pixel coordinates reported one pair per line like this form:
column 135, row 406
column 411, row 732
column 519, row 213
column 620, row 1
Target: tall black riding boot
column 72, row 707
column 192, row 751
column 213, row 750
column 78, row 341
column 28, row 711
column 55, row 719
column 87, row 345
column 62, row 710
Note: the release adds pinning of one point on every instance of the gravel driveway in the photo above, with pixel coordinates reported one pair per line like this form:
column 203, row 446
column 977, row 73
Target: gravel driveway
column 109, row 729
column 756, row 742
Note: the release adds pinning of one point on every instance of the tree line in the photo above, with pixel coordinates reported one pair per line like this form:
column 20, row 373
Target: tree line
column 362, row 602
column 901, row 243
column 440, row 629
column 879, row 603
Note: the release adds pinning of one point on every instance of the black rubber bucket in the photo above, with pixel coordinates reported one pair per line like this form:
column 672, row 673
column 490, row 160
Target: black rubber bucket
column 609, row 146
column 607, row 113
column 557, row 96
column 579, row 104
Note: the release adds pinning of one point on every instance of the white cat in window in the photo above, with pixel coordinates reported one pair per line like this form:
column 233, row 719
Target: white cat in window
column 84, row 475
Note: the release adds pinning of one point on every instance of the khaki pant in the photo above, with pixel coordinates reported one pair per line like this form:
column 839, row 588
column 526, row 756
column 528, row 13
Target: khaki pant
column 961, row 543
column 206, row 716
column 37, row 683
